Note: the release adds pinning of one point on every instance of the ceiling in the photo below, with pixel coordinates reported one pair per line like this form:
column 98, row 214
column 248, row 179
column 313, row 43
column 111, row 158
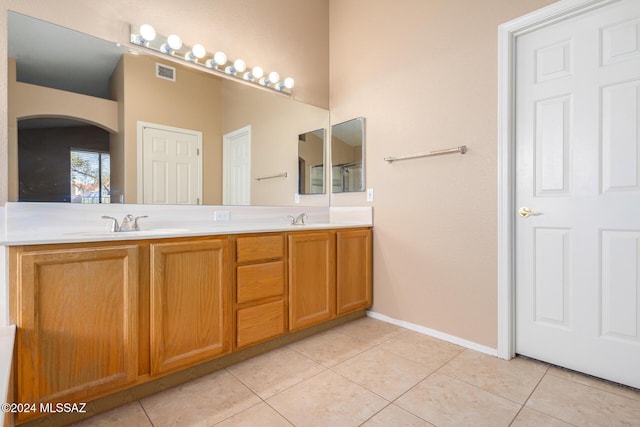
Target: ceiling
column 43, row 56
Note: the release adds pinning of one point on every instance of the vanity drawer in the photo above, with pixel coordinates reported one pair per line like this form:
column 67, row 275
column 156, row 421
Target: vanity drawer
column 258, row 281
column 260, row 322
column 259, row 248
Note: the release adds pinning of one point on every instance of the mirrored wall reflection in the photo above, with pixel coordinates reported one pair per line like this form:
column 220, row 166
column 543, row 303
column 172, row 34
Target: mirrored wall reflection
column 55, row 72
column 347, row 156
column 311, row 149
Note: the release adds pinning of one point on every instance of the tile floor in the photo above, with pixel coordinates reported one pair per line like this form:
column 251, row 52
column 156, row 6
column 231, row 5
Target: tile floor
column 371, row 373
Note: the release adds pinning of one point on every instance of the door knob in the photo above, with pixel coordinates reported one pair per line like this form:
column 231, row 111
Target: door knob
column 525, row 212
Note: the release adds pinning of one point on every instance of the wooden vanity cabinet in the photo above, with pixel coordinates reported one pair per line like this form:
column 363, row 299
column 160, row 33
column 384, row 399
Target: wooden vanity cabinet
column 77, row 316
column 312, row 290
column 354, row 270
column 190, row 307
column 330, row 273
column 97, row 318
column 260, row 305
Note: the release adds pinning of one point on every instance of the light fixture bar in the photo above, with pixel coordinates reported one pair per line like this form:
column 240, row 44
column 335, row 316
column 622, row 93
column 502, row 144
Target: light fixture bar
column 172, row 46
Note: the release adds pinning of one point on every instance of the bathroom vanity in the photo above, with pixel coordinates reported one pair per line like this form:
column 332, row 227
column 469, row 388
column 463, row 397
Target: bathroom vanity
column 98, row 315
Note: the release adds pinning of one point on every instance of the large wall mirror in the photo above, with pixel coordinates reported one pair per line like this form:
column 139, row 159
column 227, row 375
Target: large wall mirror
column 347, row 156
column 91, row 121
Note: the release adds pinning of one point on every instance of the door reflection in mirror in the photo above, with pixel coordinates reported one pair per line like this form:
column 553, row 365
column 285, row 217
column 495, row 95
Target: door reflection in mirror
column 347, row 156
column 311, row 162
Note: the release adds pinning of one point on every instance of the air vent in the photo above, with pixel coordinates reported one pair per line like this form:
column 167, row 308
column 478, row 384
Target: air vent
column 165, row 72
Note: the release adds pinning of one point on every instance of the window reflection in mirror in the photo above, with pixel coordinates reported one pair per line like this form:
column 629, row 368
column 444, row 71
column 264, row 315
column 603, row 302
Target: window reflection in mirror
column 311, row 162
column 347, row 156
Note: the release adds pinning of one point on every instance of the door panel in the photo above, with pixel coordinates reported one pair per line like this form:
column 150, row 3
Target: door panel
column 171, row 167
column 236, row 175
column 577, row 156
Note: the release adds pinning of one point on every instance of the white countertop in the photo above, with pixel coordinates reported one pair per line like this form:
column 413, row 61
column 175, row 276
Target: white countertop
column 43, row 223
column 26, row 238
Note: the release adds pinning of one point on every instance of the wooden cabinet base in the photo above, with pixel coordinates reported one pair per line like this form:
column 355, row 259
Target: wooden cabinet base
column 77, row 331
column 154, row 385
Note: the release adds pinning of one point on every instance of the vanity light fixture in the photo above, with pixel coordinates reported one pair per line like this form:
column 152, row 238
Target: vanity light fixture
column 172, row 45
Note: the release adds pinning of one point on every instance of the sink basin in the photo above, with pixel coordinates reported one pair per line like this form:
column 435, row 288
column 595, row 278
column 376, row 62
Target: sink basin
column 150, row 232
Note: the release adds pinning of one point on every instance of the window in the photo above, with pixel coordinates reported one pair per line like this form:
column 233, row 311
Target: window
column 90, row 177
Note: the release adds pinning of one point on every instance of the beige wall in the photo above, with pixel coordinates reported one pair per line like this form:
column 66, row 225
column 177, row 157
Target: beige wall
column 274, row 140
column 424, row 74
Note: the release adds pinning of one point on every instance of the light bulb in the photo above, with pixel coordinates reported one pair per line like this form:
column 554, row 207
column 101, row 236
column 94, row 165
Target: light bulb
column 219, row 58
column 287, row 83
column 255, row 73
column 272, row 78
column 197, row 51
column 147, row 32
column 238, row 67
column 174, row 42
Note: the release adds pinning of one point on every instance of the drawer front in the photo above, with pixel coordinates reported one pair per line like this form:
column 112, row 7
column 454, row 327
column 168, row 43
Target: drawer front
column 260, row 281
column 259, row 248
column 259, row 323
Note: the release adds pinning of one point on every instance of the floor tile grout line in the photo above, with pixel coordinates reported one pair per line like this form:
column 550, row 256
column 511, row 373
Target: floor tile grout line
column 284, row 389
column 373, row 415
column 146, row 414
column 593, row 387
column 280, row 413
column 524, row 404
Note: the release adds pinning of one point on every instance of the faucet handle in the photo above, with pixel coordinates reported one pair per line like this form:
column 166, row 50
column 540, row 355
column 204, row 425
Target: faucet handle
column 114, row 223
column 292, row 218
column 301, row 218
column 136, row 226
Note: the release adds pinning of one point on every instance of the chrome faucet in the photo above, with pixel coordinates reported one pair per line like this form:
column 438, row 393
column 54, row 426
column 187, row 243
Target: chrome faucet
column 129, row 223
column 299, row 220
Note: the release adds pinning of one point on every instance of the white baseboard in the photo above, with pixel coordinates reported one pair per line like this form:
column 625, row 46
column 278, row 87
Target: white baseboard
column 435, row 334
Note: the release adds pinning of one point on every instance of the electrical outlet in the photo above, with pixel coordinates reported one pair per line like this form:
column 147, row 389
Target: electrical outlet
column 369, row 194
column 221, row 215
column 297, row 198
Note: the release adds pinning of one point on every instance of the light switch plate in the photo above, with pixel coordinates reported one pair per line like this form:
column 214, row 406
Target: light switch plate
column 369, row 194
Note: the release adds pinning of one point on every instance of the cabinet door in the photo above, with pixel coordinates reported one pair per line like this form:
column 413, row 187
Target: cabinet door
column 312, row 291
column 77, row 323
column 190, row 303
column 353, row 271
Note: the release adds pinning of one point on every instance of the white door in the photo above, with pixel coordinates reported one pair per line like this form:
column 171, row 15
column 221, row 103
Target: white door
column 236, row 167
column 578, row 171
column 171, row 166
